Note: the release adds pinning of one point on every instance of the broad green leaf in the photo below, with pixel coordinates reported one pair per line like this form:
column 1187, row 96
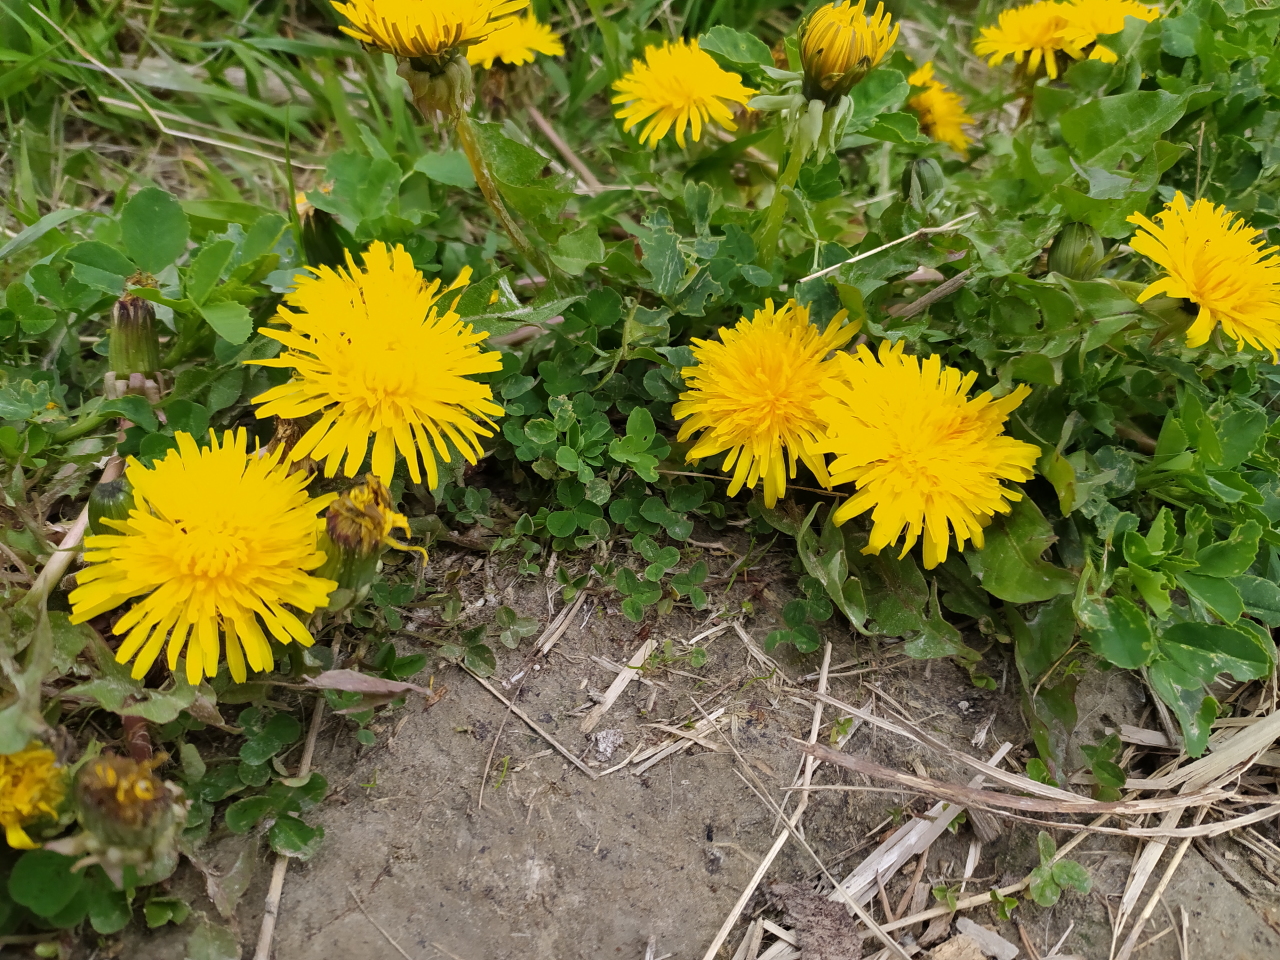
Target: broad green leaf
column 229, row 319
column 1101, row 132
column 735, row 46
column 1261, row 598
column 1010, row 565
column 1185, row 695
column 1218, row 595
column 1233, row 556
column 448, row 167
column 661, row 255
column 1118, row 631
column 43, row 882
column 211, row 941
column 895, row 128
column 292, row 837
column 577, row 250
column 207, row 268
column 154, row 229
column 1205, row 650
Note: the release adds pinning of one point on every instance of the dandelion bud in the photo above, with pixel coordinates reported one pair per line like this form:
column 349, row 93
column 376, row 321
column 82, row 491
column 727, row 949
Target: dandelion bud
column 31, row 790
column 440, row 86
column 321, row 235
column 1077, row 252
column 357, row 531
column 839, row 45
column 110, row 500
column 129, row 816
column 134, row 347
column 923, row 183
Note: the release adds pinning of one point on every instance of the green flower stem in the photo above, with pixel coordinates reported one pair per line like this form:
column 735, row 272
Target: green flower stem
column 81, row 427
column 767, row 238
column 489, row 187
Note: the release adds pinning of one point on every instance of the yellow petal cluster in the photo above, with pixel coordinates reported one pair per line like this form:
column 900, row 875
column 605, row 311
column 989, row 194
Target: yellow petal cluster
column 941, row 111
column 31, row 788
column 753, row 394
column 378, row 355
column 926, row 460
column 220, row 544
column 677, row 85
column 1035, row 33
column 517, row 41
column 426, row 29
column 1087, row 20
column 840, row 44
column 1215, row 260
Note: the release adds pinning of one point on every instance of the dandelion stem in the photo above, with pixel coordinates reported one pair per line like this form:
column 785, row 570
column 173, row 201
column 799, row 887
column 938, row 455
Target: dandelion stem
column 767, row 238
column 489, row 187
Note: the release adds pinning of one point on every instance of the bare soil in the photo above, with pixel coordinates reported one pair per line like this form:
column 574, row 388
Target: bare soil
column 552, row 864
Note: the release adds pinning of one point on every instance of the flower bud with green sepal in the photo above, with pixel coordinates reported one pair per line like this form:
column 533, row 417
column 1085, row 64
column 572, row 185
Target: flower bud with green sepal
column 110, row 500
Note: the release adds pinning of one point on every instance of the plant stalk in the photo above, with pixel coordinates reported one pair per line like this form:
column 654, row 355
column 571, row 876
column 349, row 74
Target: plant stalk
column 767, row 238
column 489, row 187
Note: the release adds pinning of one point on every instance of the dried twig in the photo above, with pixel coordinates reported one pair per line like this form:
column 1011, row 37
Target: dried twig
column 553, row 136
column 532, row 725
column 620, row 683
column 271, row 911
column 399, row 949
column 916, row 235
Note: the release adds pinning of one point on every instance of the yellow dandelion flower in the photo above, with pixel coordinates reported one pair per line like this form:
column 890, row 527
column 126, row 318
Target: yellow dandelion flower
column 1030, row 35
column 425, row 29
column 941, row 111
column 840, row 44
column 378, row 356
column 31, row 788
column 1219, row 263
column 1089, row 19
column 219, row 543
column 753, row 394
column 678, row 85
column 519, row 40
column 924, row 457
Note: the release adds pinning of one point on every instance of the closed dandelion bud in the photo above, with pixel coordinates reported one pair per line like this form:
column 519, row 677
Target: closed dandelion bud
column 134, row 347
column 129, row 816
column 839, row 45
column 441, row 87
column 357, row 531
column 110, row 500
column 321, row 236
column 1077, row 252
column 923, row 183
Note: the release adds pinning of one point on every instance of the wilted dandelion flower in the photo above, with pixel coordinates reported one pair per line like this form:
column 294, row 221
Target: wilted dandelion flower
column 357, row 531
column 941, row 111
column 840, row 44
column 519, row 40
column 753, row 394
column 220, row 543
column 1030, row 35
column 428, row 30
column 1219, row 263
column 379, row 357
column 31, row 788
column 677, row 85
column 1089, row 19
column 926, row 459
column 129, row 816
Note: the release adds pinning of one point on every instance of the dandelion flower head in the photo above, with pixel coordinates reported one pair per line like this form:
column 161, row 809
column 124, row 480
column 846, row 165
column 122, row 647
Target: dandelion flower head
column 926, row 460
column 1215, row 260
column 431, row 30
column 220, row 544
column 1031, row 34
column 941, row 111
column 31, row 788
column 753, row 394
column 677, row 85
column 840, row 44
column 519, row 40
column 1089, row 19
column 378, row 356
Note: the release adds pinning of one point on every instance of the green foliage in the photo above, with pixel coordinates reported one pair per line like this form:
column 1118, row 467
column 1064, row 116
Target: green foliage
column 1050, row 878
column 1149, row 539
